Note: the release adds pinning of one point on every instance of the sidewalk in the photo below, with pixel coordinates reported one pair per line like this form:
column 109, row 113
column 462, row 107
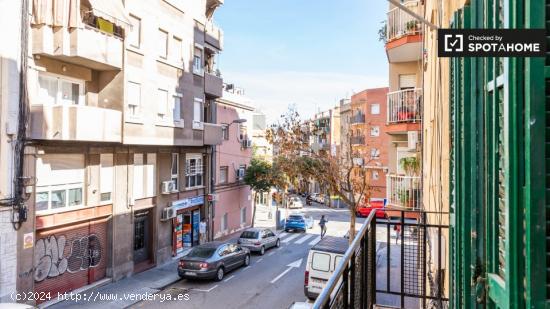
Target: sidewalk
column 126, row 292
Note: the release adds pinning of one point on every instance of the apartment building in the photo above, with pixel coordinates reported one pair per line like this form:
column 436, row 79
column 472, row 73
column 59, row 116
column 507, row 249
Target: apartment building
column 321, row 140
column 122, row 102
column 369, row 142
column 486, row 160
column 404, row 100
column 233, row 207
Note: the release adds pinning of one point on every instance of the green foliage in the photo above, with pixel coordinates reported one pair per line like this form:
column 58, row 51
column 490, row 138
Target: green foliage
column 259, row 175
column 411, row 165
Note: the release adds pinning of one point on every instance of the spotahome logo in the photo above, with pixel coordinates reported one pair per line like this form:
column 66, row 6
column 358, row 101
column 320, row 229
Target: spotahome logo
column 491, row 43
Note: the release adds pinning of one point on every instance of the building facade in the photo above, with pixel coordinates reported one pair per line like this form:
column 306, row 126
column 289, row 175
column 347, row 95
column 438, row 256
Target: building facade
column 369, row 141
column 122, row 124
column 404, row 101
column 233, row 207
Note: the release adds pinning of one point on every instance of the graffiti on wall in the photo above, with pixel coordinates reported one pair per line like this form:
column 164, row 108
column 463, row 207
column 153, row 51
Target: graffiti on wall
column 51, row 261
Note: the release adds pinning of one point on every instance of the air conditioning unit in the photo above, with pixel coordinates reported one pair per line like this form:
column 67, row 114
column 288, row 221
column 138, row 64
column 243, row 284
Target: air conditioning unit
column 168, row 187
column 168, row 213
column 247, row 143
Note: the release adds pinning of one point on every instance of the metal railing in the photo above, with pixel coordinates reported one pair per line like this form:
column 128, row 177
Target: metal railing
column 404, row 191
column 404, row 106
column 358, row 118
column 400, row 23
column 398, row 262
column 357, row 140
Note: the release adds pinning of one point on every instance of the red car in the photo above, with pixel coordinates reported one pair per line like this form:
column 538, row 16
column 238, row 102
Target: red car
column 364, row 210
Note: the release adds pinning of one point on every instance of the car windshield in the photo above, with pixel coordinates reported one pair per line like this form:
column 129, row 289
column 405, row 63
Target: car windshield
column 201, row 252
column 295, row 218
column 249, row 234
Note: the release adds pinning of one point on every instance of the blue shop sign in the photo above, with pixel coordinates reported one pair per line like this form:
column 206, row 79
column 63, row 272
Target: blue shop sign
column 188, row 202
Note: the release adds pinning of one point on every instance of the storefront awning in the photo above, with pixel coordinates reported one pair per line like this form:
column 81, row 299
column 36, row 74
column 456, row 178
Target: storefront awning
column 111, row 10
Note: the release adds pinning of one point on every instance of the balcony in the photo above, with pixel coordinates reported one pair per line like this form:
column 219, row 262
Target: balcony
column 404, row 110
column 357, row 140
column 358, row 161
column 404, row 192
column 358, row 118
column 404, row 34
column 75, row 123
column 85, row 46
column 214, row 35
column 213, row 134
column 213, row 85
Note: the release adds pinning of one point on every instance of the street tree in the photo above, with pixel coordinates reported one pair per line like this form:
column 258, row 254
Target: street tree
column 298, row 155
column 259, row 177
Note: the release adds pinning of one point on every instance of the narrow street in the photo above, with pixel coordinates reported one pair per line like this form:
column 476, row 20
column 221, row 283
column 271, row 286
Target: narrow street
column 271, row 281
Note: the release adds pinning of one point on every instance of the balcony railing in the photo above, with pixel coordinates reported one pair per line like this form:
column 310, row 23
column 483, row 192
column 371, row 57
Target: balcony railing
column 391, row 263
column 400, row 23
column 214, row 35
column 404, row 106
column 357, row 140
column 404, row 191
column 358, row 118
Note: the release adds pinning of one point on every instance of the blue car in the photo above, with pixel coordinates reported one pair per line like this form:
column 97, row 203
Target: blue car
column 298, row 222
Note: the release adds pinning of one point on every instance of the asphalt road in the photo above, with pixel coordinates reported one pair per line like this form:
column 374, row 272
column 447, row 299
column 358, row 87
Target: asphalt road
column 271, row 281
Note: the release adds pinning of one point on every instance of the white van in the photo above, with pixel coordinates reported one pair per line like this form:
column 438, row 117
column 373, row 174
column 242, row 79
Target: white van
column 322, row 260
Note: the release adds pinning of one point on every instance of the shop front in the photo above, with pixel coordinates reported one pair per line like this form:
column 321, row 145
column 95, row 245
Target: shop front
column 186, row 223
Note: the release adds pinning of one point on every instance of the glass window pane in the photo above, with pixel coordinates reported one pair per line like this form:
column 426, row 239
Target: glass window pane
column 75, row 197
column 163, row 43
column 321, row 262
column 48, row 89
column 69, row 92
column 177, row 109
column 135, row 30
column 42, row 200
column 197, row 110
column 59, row 198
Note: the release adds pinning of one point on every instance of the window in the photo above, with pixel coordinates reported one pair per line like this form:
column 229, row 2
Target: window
column 106, row 177
column 197, row 61
column 197, row 113
column 175, row 169
column 163, row 43
column 240, row 172
column 224, row 223
column 243, row 132
column 162, row 97
column 223, row 174
column 243, row 215
column 193, row 170
column 407, row 81
column 134, row 37
column 138, row 178
column 375, row 131
column 225, row 132
column 144, row 177
column 375, row 175
column 55, row 89
column 375, row 109
column 60, row 181
column 176, row 109
column 337, row 260
column 374, row 153
column 320, row 261
column 177, row 48
column 134, row 98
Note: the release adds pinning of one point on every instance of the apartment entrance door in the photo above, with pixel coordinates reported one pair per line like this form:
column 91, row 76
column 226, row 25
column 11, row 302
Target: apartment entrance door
column 142, row 237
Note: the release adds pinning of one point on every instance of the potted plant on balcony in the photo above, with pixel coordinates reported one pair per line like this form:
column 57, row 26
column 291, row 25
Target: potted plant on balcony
column 412, row 26
column 411, row 165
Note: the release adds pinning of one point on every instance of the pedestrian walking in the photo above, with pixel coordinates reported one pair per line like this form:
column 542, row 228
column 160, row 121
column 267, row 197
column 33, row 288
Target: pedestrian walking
column 323, row 225
column 397, row 229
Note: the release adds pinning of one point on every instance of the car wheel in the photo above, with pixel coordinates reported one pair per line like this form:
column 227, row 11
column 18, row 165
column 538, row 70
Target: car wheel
column 278, row 243
column 219, row 274
column 262, row 250
column 247, row 260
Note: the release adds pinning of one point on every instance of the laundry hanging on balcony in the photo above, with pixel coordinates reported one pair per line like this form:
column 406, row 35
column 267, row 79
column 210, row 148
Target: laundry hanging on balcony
column 110, row 10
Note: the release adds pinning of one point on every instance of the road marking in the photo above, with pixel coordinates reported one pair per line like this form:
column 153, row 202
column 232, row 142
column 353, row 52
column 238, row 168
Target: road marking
column 271, row 253
column 315, row 240
column 210, row 289
column 290, row 238
column 283, row 234
column 295, row 264
column 247, row 267
column 303, row 239
column 229, row 278
column 259, row 260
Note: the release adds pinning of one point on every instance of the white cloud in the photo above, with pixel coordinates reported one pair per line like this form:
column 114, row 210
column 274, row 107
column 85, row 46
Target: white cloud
column 273, row 92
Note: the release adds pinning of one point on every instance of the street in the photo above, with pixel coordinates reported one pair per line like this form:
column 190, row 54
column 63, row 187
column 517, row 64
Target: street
column 274, row 280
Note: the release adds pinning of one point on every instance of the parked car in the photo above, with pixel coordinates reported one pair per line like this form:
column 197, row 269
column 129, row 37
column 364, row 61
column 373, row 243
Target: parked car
column 298, row 222
column 213, row 260
column 258, row 240
column 322, row 261
column 364, row 210
column 318, row 197
column 295, row 202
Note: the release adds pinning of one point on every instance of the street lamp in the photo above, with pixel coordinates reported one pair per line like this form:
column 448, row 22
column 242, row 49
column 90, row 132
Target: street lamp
column 241, row 120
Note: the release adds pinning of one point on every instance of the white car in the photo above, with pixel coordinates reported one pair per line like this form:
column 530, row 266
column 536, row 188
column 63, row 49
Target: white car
column 295, row 202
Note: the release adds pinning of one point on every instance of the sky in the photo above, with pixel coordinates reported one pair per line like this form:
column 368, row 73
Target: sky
column 307, row 53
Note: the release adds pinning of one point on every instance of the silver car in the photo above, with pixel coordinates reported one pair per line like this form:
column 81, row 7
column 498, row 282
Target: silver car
column 258, row 240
